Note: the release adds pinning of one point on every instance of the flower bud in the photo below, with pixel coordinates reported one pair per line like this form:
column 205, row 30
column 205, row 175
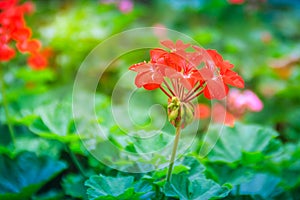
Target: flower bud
column 174, row 110
column 187, row 114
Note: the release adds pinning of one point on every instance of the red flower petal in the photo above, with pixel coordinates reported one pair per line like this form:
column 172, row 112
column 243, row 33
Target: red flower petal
column 232, row 78
column 149, row 80
column 5, row 4
column 37, row 61
column 27, row 7
column 220, row 115
column 151, row 86
column 175, row 47
column 215, row 89
column 157, row 56
column 6, row 53
column 202, row 111
column 32, row 46
column 21, row 35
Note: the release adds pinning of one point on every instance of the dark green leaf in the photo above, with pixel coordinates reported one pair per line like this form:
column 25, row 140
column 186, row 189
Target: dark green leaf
column 26, row 174
column 73, row 185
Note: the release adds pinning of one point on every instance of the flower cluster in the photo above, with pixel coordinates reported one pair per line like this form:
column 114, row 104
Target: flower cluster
column 183, row 75
column 13, row 28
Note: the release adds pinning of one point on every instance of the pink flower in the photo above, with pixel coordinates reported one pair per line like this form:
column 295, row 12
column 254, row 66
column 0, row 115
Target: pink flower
column 125, row 6
column 238, row 103
column 236, row 1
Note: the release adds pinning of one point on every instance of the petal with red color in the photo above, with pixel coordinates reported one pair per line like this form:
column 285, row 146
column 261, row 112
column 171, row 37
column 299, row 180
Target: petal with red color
column 221, row 115
column 32, row 46
column 215, row 89
column 21, row 35
column 6, row 53
column 5, row 4
column 27, row 7
column 202, row 111
column 179, row 45
column 37, row 61
column 216, row 57
column 157, row 55
column 151, row 86
column 232, row 78
column 149, row 79
column 140, row 67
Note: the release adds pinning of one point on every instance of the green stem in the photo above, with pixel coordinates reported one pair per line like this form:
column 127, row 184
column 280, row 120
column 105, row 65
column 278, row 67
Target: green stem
column 5, row 106
column 177, row 136
column 238, row 188
column 76, row 162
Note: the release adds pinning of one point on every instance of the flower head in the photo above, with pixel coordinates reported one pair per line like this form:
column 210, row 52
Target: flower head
column 183, row 75
column 13, row 28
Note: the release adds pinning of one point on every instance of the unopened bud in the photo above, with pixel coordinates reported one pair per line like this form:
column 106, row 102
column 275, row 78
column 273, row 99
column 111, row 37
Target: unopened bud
column 174, row 110
column 187, row 113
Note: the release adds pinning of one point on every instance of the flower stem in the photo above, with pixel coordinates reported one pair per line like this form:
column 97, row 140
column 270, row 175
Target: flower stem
column 169, row 88
column 164, row 91
column 5, row 106
column 193, row 97
column 191, row 92
column 76, row 162
column 173, row 153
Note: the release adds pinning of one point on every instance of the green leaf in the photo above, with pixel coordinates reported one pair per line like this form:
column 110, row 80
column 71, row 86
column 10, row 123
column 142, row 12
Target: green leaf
column 102, row 187
column 240, row 142
column 263, row 185
column 176, row 170
column 73, row 185
column 40, row 146
column 55, row 122
column 194, row 185
column 24, row 175
column 234, row 175
column 49, row 195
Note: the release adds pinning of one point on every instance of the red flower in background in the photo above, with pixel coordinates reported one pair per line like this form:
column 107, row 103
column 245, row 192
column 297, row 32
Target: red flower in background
column 13, row 28
column 183, row 75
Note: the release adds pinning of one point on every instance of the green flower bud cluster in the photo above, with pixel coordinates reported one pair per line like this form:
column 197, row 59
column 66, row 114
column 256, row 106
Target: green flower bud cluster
column 174, row 111
column 180, row 113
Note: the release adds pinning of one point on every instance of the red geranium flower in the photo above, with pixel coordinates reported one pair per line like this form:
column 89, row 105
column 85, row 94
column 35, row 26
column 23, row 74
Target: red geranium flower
column 183, row 75
column 13, row 27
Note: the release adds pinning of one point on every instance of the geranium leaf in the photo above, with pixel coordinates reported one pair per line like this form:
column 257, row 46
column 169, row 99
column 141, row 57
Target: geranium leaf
column 55, row 122
column 102, row 187
column 73, row 185
column 241, row 141
column 194, row 185
column 24, row 175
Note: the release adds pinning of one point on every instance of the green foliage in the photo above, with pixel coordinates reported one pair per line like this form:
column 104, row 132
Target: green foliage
column 101, row 187
column 55, row 122
column 73, row 185
column 194, row 185
column 245, row 143
column 25, row 174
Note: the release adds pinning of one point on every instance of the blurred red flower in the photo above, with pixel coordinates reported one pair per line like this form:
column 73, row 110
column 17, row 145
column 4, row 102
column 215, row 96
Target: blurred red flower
column 13, row 28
